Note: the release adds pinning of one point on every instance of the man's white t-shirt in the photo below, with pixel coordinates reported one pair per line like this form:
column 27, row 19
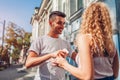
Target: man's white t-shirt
column 45, row 45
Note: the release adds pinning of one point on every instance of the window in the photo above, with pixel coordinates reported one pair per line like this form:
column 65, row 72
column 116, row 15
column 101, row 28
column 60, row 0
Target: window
column 72, row 6
column 80, row 4
column 75, row 5
column 64, row 8
column 60, row 5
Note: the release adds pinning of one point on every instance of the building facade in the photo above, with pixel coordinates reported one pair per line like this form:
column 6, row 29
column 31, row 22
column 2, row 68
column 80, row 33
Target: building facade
column 73, row 9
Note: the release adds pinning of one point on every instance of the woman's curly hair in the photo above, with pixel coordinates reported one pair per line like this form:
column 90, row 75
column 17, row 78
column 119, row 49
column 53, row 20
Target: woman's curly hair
column 96, row 21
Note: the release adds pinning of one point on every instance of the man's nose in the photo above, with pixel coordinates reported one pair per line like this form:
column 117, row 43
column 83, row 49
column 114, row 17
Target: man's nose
column 62, row 26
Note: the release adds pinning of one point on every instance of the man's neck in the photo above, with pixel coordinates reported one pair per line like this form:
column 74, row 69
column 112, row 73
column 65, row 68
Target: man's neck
column 53, row 35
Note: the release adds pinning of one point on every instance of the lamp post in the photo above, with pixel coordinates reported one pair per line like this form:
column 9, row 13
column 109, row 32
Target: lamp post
column 3, row 35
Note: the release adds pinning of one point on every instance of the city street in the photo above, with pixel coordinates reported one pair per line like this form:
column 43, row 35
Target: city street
column 12, row 74
column 28, row 27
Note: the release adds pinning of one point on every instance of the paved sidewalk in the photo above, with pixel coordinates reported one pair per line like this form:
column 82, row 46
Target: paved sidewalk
column 12, row 74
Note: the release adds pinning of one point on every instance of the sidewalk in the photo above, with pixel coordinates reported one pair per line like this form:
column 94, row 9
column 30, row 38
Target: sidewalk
column 12, row 74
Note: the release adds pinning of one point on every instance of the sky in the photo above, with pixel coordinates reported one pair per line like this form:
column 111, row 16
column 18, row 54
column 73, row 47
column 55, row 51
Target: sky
column 18, row 12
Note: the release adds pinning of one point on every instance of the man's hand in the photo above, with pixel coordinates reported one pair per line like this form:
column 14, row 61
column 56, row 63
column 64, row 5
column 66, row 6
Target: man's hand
column 63, row 53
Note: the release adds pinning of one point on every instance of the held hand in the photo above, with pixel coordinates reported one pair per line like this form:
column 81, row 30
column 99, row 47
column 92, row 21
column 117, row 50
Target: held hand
column 59, row 61
column 55, row 54
column 63, row 53
column 59, row 55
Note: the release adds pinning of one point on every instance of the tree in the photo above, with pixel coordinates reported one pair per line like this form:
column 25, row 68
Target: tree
column 26, row 39
column 16, row 37
column 14, row 34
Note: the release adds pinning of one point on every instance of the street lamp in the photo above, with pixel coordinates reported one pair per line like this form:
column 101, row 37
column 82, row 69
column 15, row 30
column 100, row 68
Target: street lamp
column 3, row 34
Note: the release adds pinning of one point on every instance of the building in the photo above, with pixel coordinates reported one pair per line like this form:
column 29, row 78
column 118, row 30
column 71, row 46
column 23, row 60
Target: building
column 73, row 9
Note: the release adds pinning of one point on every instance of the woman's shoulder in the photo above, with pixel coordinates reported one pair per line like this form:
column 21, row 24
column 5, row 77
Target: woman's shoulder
column 84, row 36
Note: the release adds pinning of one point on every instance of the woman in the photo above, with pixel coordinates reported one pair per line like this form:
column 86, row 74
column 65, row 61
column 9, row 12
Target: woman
column 97, row 57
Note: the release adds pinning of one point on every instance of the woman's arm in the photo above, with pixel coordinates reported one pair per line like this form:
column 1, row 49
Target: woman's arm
column 116, row 65
column 85, row 69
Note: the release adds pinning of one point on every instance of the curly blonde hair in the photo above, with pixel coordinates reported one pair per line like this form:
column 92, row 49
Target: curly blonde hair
column 96, row 21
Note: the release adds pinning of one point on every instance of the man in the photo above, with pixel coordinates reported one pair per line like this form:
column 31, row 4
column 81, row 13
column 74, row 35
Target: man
column 23, row 55
column 22, row 59
column 46, row 48
column 5, row 56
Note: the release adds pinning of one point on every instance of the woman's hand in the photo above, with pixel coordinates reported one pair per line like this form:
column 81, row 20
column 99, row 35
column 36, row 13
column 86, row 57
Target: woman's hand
column 60, row 61
column 59, row 55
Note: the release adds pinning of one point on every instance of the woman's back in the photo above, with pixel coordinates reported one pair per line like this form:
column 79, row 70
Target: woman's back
column 103, row 64
column 102, row 67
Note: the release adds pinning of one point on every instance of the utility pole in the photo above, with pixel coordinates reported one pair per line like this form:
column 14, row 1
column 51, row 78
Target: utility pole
column 3, row 35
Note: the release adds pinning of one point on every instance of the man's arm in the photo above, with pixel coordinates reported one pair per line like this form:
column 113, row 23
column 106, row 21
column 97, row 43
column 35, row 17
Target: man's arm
column 73, row 56
column 34, row 59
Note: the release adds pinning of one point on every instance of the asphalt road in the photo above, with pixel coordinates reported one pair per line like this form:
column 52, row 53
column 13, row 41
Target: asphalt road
column 11, row 73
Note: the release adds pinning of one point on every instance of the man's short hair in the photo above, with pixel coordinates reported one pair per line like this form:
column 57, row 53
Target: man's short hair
column 57, row 13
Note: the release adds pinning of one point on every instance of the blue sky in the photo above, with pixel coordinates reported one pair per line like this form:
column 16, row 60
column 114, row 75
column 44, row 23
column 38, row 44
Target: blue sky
column 18, row 11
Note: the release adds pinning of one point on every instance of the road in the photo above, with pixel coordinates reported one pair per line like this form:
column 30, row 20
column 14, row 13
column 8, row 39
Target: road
column 12, row 74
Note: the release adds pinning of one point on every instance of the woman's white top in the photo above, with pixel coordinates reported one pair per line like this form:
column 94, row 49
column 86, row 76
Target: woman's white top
column 102, row 66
